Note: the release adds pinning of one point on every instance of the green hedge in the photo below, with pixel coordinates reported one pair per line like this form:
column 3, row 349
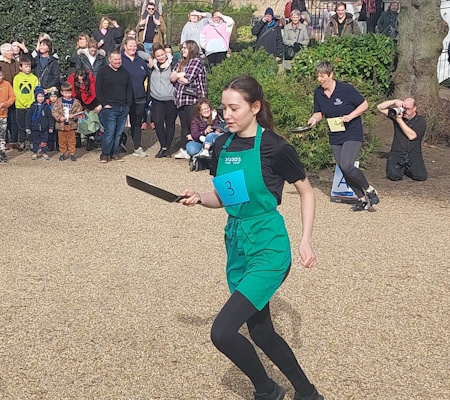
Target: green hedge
column 363, row 59
column 62, row 20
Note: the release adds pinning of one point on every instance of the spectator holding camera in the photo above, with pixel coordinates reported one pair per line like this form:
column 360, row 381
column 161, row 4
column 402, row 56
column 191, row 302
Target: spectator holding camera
column 405, row 157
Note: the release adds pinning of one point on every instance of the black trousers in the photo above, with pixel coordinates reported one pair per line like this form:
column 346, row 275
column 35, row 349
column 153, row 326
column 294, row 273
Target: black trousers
column 164, row 114
column 137, row 110
column 225, row 336
column 417, row 171
column 12, row 125
column 185, row 113
column 20, row 119
column 216, row 58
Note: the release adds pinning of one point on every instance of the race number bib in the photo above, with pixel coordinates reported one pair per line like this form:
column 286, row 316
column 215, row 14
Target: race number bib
column 231, row 188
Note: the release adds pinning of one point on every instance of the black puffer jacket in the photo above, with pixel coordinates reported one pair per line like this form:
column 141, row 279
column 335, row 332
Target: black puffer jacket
column 84, row 63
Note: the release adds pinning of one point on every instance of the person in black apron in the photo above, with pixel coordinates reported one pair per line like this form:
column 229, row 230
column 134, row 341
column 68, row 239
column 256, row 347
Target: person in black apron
column 250, row 165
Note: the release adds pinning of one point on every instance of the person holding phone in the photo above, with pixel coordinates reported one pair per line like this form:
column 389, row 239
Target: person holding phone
column 250, row 165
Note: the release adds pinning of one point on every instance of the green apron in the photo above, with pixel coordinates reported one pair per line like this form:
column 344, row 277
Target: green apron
column 256, row 240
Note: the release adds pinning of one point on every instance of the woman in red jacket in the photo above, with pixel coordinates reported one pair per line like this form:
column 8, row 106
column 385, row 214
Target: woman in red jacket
column 83, row 89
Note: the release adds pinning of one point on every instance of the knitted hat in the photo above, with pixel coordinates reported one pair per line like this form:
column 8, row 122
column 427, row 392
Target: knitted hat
column 53, row 92
column 38, row 90
column 269, row 11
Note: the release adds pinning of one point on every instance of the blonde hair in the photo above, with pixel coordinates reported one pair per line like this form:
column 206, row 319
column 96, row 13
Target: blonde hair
column 105, row 19
column 41, row 37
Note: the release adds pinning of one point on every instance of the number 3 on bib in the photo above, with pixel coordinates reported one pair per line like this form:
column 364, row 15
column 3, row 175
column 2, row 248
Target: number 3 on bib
column 231, row 188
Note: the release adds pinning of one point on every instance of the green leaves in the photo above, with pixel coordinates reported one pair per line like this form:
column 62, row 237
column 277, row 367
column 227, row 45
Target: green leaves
column 62, row 20
column 369, row 56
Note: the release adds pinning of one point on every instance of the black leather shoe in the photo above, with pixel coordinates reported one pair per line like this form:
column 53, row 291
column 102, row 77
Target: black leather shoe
column 313, row 396
column 277, row 393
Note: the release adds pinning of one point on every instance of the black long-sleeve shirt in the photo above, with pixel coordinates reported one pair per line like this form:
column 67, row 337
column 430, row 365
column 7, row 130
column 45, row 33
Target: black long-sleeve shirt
column 114, row 87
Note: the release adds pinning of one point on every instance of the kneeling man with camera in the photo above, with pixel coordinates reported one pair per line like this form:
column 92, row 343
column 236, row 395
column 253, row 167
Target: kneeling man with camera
column 405, row 157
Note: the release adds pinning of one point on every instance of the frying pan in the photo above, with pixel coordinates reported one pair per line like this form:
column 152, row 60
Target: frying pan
column 301, row 129
column 154, row 190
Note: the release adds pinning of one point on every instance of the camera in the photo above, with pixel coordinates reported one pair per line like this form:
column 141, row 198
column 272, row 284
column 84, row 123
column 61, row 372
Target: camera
column 405, row 162
column 394, row 112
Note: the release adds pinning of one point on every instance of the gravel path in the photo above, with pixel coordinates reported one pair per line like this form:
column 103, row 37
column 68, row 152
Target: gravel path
column 106, row 294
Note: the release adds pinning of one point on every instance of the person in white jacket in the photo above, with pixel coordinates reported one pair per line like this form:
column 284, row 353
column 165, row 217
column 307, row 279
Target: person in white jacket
column 215, row 37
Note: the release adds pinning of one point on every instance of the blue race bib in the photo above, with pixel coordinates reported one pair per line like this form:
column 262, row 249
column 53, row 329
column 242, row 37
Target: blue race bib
column 231, row 188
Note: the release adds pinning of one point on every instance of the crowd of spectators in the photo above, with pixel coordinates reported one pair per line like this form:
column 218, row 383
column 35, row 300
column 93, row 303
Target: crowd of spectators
column 118, row 76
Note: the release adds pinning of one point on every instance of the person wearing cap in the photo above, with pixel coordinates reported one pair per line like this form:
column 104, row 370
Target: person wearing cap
column 39, row 123
column 268, row 32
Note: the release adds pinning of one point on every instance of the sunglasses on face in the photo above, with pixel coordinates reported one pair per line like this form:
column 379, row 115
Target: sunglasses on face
column 150, row 8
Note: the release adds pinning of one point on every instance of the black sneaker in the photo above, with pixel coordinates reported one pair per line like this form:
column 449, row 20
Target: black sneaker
column 21, row 147
column 277, row 393
column 372, row 197
column 62, row 157
column 90, row 144
column 73, row 157
column 360, row 206
column 313, row 396
column 161, row 153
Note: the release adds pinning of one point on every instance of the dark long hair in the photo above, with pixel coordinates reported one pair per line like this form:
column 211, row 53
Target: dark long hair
column 86, row 81
column 252, row 92
column 193, row 51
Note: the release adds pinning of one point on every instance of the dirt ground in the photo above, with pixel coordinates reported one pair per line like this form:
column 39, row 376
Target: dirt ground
column 108, row 293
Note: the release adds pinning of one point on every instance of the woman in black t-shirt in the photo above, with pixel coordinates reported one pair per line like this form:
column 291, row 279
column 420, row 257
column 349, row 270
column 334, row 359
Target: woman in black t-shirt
column 250, row 166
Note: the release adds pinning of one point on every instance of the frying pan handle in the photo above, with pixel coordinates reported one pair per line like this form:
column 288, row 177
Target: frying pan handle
column 186, row 197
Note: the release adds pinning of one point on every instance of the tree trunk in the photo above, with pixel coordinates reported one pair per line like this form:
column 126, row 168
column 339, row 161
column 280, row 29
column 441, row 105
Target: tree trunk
column 421, row 30
column 419, row 48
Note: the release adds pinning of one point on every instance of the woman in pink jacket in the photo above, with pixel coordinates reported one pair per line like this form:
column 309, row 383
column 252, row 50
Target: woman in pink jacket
column 215, row 37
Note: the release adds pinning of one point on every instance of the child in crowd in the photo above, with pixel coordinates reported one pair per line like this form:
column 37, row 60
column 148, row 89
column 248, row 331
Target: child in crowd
column 7, row 99
column 52, row 137
column 24, row 84
column 204, row 130
column 66, row 111
column 39, row 123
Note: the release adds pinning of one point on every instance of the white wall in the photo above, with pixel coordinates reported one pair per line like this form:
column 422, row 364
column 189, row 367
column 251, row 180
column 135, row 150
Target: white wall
column 443, row 66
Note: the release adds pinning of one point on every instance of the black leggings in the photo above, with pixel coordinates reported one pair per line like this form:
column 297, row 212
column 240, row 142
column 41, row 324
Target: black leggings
column 164, row 114
column 225, row 336
column 345, row 155
column 137, row 110
column 185, row 113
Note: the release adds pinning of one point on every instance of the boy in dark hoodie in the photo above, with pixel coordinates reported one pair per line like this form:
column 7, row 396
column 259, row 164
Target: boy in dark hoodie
column 39, row 123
